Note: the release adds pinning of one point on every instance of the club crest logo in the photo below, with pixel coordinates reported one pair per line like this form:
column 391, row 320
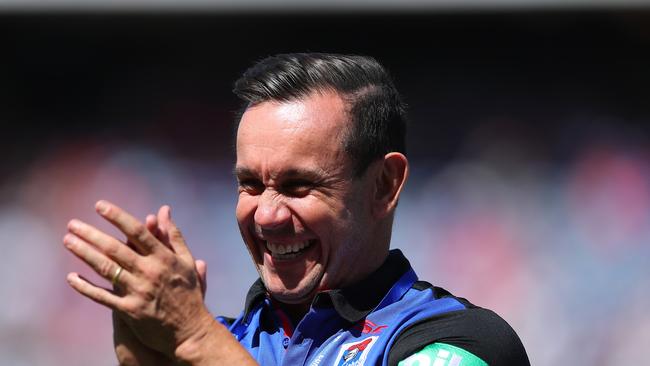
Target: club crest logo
column 354, row 353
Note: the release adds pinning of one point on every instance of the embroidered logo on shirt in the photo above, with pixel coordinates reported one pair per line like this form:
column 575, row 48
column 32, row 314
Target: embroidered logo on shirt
column 372, row 328
column 367, row 327
column 354, row 353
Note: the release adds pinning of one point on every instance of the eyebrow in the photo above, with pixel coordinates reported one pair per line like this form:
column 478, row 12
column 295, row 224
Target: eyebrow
column 239, row 171
column 316, row 174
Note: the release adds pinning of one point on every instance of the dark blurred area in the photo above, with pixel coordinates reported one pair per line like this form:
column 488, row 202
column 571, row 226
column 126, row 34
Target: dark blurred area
column 557, row 78
column 529, row 142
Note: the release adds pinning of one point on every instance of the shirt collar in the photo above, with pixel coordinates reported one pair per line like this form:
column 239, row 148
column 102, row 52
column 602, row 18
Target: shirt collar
column 354, row 302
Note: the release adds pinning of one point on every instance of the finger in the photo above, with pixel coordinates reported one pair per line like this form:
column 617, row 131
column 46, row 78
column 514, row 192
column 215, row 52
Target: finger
column 175, row 237
column 105, row 243
column 99, row 262
column 95, row 293
column 134, row 230
column 151, row 222
column 202, row 271
column 153, row 225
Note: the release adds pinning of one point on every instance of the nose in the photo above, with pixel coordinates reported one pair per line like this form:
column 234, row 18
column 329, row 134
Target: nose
column 271, row 213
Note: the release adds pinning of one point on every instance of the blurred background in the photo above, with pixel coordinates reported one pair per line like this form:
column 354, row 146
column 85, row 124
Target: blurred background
column 529, row 142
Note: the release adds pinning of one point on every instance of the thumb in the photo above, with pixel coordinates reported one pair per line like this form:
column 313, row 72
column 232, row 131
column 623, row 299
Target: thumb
column 202, row 271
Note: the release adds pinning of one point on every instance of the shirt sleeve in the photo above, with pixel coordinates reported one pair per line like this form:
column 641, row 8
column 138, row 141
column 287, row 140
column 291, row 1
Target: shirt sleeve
column 480, row 332
column 444, row 355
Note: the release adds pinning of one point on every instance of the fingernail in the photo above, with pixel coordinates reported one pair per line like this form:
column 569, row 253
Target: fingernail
column 169, row 212
column 68, row 240
column 101, row 207
column 73, row 224
column 71, row 277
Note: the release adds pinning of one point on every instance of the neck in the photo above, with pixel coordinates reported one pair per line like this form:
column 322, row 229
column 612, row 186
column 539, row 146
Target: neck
column 295, row 312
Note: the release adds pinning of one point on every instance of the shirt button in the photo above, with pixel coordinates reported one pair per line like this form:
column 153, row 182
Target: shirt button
column 285, row 342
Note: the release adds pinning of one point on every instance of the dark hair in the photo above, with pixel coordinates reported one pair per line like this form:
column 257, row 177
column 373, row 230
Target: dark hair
column 378, row 116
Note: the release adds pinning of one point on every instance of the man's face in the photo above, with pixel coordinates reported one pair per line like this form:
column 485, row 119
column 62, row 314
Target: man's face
column 305, row 220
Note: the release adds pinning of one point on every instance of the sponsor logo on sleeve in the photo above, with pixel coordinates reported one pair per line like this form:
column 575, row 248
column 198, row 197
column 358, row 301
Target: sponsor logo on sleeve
column 440, row 354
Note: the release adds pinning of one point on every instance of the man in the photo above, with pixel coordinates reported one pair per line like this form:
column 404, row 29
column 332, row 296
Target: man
column 320, row 166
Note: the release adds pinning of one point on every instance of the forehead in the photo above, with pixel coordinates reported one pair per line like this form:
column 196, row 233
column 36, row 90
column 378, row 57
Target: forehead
column 305, row 133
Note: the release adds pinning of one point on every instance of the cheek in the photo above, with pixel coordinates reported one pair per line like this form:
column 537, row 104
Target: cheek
column 245, row 209
column 326, row 218
column 245, row 212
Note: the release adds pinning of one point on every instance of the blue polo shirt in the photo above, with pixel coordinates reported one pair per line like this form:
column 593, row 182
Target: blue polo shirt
column 382, row 320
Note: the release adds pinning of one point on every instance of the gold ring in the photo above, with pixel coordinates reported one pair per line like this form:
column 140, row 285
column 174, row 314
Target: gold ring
column 117, row 274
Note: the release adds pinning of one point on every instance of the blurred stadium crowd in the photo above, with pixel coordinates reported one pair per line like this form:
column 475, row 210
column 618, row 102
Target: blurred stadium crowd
column 560, row 250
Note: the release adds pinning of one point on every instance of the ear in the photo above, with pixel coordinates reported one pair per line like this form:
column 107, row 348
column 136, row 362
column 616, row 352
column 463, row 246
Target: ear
column 389, row 183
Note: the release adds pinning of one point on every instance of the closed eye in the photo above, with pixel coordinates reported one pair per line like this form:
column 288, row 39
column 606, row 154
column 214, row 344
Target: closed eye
column 297, row 187
column 251, row 186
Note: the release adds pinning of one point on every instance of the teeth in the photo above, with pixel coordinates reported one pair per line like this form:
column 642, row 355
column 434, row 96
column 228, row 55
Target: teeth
column 277, row 249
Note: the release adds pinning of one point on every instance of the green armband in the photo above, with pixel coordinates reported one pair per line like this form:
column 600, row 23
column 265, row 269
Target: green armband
column 441, row 354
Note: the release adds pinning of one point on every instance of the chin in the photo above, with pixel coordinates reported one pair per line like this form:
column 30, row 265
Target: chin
column 304, row 292
column 293, row 299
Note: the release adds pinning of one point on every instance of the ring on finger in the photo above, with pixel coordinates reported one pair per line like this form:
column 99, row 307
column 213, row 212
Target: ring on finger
column 116, row 275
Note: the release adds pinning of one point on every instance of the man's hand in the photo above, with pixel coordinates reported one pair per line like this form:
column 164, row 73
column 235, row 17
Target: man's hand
column 160, row 295
column 128, row 348
column 130, row 351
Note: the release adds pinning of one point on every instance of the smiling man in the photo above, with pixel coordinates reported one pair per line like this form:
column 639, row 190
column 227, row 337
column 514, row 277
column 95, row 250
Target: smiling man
column 309, row 222
column 320, row 167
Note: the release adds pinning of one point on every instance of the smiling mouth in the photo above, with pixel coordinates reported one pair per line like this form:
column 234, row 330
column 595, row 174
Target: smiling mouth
column 283, row 251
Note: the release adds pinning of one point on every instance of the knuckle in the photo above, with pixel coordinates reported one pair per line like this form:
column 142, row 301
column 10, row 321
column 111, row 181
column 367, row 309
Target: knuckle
column 170, row 261
column 175, row 233
column 105, row 269
column 131, row 262
column 140, row 232
column 146, row 292
column 142, row 308
column 136, row 308
column 112, row 250
column 146, row 275
column 130, row 308
column 152, row 275
column 152, row 269
column 149, row 296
